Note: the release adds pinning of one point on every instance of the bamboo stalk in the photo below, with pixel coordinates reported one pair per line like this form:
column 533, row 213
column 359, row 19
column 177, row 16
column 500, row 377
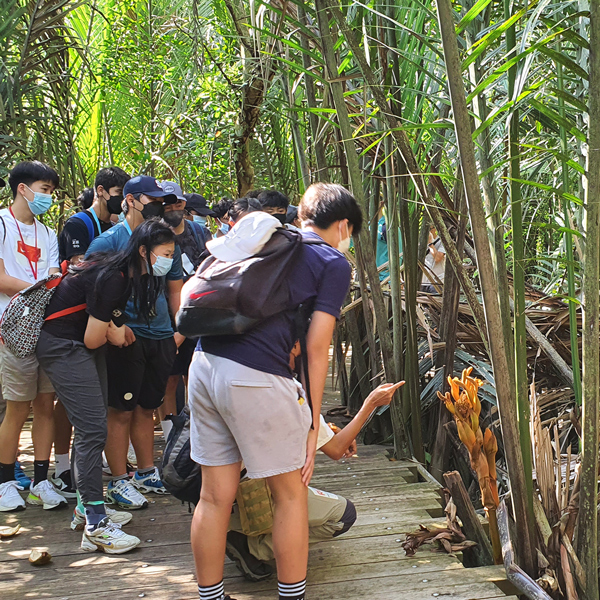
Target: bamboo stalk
column 568, row 237
column 522, row 503
column 363, row 242
column 587, row 542
column 520, row 330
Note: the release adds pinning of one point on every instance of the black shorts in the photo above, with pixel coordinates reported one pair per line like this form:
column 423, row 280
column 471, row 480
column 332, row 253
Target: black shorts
column 181, row 366
column 138, row 374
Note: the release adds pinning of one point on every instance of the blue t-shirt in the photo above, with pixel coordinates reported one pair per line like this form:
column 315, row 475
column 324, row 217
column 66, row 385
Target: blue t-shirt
column 321, row 278
column 158, row 327
column 381, row 249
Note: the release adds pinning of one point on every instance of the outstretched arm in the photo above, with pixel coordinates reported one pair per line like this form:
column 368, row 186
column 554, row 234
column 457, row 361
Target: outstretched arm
column 339, row 444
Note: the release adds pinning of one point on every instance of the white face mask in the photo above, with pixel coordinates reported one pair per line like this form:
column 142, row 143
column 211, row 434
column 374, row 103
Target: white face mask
column 344, row 244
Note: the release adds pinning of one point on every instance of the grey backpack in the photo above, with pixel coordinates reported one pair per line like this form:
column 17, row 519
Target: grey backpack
column 179, row 473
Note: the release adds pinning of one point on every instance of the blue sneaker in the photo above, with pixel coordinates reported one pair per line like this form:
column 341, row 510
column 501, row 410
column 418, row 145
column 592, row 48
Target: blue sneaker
column 22, row 479
column 149, row 483
column 123, row 494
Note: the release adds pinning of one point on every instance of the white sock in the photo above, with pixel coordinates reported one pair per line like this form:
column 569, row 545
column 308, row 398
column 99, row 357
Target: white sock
column 166, row 428
column 61, row 463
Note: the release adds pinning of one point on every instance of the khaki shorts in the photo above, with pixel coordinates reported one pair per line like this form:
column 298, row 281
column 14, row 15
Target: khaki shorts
column 239, row 413
column 325, row 512
column 22, row 378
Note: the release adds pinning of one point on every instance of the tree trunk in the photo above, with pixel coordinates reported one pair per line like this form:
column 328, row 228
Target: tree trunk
column 587, row 539
column 258, row 74
column 506, row 396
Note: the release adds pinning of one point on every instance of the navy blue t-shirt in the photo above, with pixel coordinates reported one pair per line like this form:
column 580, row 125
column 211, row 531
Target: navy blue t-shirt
column 321, row 278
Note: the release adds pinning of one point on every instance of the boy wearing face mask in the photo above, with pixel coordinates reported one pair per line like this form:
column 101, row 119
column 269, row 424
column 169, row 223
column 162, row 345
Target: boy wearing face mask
column 28, row 253
column 81, row 228
column 139, row 371
column 275, row 203
column 197, row 208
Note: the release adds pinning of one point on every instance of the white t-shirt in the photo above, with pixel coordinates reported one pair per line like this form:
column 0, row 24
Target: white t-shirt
column 325, row 433
column 437, row 268
column 13, row 253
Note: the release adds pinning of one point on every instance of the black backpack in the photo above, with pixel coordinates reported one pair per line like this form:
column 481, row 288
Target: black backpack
column 230, row 298
column 179, row 473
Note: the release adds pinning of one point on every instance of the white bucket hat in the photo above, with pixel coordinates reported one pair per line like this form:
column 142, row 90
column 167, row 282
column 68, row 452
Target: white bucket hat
column 246, row 238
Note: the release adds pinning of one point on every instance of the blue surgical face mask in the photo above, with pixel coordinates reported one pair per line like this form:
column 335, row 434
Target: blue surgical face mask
column 199, row 219
column 162, row 265
column 40, row 203
column 225, row 227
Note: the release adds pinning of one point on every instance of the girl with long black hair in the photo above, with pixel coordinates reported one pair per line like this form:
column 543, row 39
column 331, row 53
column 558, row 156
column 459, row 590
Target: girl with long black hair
column 71, row 350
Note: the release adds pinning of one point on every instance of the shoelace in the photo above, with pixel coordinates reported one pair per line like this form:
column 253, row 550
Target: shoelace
column 125, row 487
column 45, row 486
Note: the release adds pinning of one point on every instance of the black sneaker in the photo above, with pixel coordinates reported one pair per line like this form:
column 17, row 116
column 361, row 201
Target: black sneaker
column 237, row 551
column 64, row 485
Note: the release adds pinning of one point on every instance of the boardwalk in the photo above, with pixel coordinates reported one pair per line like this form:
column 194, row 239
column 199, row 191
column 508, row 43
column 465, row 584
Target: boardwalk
column 367, row 562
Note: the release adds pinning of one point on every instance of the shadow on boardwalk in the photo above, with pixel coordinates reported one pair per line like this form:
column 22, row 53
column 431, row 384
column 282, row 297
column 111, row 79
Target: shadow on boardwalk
column 366, row 562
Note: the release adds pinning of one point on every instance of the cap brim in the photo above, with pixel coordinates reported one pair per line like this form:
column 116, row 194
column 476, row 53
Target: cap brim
column 204, row 212
column 169, row 199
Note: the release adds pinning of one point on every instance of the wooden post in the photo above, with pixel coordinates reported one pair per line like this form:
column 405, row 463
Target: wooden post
column 472, row 526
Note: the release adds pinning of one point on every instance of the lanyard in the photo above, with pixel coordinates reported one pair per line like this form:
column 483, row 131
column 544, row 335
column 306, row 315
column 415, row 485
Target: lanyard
column 126, row 225
column 96, row 220
column 34, row 269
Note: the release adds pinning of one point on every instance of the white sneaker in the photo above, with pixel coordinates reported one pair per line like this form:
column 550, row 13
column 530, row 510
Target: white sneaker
column 45, row 494
column 123, row 494
column 108, row 537
column 115, row 516
column 131, row 457
column 10, row 499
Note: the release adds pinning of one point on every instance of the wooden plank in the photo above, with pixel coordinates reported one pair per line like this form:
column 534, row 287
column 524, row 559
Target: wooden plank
column 461, row 584
column 368, row 561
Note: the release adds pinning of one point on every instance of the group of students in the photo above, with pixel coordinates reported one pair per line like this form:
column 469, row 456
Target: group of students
column 110, row 352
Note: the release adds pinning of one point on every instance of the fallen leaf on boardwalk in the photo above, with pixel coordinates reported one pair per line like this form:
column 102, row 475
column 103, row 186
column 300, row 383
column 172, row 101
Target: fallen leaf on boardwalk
column 39, row 557
column 449, row 538
column 6, row 532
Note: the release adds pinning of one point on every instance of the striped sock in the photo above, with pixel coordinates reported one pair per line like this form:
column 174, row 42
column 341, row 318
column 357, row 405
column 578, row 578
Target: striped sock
column 292, row 591
column 212, row 592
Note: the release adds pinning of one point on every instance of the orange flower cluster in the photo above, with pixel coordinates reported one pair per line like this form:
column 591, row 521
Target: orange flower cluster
column 462, row 401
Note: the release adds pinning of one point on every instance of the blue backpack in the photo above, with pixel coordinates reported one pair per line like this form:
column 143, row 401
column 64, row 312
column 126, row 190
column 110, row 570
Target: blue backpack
column 87, row 220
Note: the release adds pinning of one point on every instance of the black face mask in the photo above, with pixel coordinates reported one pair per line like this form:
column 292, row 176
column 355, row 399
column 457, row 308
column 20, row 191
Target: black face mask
column 281, row 217
column 152, row 209
column 113, row 204
column 173, row 217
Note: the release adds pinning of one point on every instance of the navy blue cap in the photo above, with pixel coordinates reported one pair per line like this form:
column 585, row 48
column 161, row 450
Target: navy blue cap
column 198, row 203
column 142, row 184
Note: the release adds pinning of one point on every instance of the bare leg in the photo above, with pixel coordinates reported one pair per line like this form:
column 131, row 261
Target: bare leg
column 142, row 436
column 211, row 519
column 117, row 442
column 169, row 405
column 42, row 431
column 10, row 430
column 290, row 526
column 62, row 430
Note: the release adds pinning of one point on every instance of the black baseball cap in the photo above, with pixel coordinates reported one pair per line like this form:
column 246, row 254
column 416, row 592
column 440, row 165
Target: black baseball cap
column 198, row 203
column 2, row 183
column 142, row 184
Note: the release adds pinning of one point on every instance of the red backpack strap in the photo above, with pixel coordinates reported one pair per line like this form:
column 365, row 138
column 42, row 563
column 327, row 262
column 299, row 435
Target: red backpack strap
column 65, row 312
